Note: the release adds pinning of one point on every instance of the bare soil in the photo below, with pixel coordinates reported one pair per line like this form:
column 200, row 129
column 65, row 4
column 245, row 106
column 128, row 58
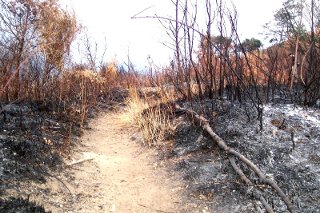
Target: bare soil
column 108, row 172
column 123, row 176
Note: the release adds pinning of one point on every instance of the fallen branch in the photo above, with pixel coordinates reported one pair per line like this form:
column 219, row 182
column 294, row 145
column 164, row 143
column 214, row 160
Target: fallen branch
column 256, row 193
column 204, row 123
column 79, row 161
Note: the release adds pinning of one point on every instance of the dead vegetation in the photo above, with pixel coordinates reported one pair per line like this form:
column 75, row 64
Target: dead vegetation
column 212, row 176
column 223, row 75
column 152, row 117
column 224, row 84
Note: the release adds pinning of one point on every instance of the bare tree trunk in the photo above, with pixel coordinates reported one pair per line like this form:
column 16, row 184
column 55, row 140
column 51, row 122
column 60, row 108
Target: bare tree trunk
column 209, row 50
column 178, row 58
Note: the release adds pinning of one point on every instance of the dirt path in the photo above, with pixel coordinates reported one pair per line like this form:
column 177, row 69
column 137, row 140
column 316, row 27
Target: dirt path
column 122, row 176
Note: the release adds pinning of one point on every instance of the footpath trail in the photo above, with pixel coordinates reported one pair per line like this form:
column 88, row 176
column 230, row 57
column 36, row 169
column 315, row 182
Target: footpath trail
column 122, row 175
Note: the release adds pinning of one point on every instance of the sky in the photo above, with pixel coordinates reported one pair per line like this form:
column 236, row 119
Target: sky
column 109, row 22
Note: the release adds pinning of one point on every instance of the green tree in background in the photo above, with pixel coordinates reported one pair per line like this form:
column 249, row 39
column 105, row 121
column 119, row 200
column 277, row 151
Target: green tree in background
column 252, row 44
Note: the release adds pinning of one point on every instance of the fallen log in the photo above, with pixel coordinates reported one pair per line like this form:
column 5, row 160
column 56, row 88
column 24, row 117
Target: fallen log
column 204, row 123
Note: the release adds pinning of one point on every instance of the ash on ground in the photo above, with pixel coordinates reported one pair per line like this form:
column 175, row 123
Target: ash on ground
column 287, row 150
column 35, row 138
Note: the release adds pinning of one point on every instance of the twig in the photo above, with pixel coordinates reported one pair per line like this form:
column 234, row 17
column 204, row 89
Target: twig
column 58, row 179
column 142, row 11
column 282, row 125
column 292, row 139
column 79, row 161
column 51, row 121
column 61, row 181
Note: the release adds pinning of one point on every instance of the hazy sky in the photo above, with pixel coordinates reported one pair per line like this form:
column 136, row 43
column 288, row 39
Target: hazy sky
column 110, row 19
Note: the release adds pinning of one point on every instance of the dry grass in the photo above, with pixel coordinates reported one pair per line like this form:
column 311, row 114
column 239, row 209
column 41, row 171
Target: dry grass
column 147, row 115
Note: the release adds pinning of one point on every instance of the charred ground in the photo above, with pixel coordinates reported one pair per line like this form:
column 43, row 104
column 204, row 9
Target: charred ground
column 289, row 154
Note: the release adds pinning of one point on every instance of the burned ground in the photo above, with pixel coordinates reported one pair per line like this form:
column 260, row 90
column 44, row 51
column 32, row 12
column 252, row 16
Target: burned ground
column 32, row 142
column 288, row 153
column 34, row 139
